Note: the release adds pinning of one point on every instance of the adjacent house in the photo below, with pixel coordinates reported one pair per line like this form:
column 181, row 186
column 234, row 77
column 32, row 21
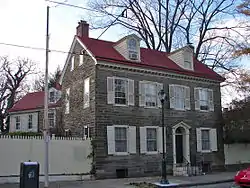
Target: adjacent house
column 27, row 114
column 111, row 88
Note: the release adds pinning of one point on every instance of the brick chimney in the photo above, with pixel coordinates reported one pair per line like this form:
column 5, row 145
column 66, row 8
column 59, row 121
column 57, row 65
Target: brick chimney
column 82, row 30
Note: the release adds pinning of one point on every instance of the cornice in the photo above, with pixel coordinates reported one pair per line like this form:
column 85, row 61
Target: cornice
column 144, row 71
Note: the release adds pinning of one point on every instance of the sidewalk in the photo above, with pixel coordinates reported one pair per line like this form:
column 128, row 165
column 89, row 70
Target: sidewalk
column 124, row 183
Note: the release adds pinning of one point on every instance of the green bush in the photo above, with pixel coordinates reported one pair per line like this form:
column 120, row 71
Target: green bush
column 24, row 134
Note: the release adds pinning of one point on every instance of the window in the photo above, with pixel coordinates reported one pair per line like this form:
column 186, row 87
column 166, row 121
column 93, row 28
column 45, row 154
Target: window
column 151, row 139
column 120, row 139
column 51, row 118
column 151, row 94
column 132, row 45
column 120, row 91
column 179, row 97
column 80, row 60
column 72, row 63
column 204, row 99
column 67, row 101
column 30, row 121
column 52, row 97
column 148, row 94
column 205, row 140
column 86, row 93
column 18, row 123
column 188, row 59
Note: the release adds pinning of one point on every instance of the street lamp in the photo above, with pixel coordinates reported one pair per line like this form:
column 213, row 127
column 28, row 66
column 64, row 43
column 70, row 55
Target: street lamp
column 162, row 97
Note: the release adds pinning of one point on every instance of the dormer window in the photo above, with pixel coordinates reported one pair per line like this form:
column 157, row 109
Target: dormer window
column 188, row 60
column 132, row 45
column 132, row 49
column 52, row 97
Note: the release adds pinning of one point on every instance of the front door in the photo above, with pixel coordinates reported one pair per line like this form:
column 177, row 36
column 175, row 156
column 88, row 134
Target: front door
column 179, row 148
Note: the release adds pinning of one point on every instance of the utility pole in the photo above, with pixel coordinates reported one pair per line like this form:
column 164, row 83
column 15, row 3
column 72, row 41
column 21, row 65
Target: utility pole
column 46, row 122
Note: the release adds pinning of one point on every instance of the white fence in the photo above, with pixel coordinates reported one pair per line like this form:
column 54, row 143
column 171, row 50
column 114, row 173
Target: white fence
column 66, row 155
column 237, row 153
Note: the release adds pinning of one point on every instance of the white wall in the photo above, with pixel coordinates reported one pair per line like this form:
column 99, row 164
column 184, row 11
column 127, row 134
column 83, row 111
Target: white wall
column 237, row 153
column 65, row 156
column 24, row 122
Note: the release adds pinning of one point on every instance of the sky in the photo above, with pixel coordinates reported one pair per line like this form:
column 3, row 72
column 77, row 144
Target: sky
column 24, row 23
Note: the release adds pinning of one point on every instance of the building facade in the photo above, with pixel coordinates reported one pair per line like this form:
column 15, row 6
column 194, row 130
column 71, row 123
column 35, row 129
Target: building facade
column 110, row 89
column 27, row 115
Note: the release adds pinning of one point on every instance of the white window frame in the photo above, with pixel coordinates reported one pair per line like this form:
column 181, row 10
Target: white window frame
column 52, row 101
column 18, row 122
column 174, row 99
column 157, row 140
column 129, row 91
column 67, row 101
column 72, row 63
column 127, row 127
column 30, row 121
column 81, row 59
column 210, row 149
column 143, row 93
column 187, row 57
column 86, row 95
column 213, row 139
column 54, row 117
column 134, row 48
column 210, row 104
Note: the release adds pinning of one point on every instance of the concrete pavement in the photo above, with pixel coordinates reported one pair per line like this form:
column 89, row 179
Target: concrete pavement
column 124, row 183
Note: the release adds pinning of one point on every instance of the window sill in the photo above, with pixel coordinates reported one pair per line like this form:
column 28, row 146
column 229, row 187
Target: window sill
column 152, row 152
column 121, row 153
column 151, row 107
column 206, row 151
column 205, row 110
column 121, row 105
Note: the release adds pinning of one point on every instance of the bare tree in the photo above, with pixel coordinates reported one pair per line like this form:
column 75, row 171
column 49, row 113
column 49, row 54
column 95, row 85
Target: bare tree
column 39, row 81
column 12, row 84
column 211, row 26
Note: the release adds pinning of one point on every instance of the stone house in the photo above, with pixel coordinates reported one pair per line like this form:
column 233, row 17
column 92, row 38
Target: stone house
column 28, row 113
column 110, row 89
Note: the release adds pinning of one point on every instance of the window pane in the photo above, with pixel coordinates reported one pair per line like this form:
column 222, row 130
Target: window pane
column 180, row 97
column 30, row 122
column 151, row 139
column 120, row 91
column 120, row 139
column 51, row 117
column 132, row 44
column 150, row 94
column 203, row 95
column 205, row 138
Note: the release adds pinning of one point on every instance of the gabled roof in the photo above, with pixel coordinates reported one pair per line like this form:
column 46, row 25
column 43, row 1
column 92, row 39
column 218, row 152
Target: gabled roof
column 152, row 59
column 32, row 101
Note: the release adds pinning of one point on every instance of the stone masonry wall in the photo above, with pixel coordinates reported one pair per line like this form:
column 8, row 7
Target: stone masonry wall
column 141, row 164
column 79, row 117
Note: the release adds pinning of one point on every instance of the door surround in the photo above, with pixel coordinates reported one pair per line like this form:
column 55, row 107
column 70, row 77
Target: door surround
column 186, row 153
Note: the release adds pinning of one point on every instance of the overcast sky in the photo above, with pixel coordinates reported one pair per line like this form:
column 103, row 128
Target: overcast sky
column 23, row 22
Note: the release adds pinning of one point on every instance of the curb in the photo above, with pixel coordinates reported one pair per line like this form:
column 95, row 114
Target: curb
column 201, row 183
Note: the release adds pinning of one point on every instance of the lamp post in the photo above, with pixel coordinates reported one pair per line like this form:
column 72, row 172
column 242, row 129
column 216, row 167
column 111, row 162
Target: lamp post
column 162, row 97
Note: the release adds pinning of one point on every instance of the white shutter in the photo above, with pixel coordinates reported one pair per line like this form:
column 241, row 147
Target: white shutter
column 132, row 139
column 172, row 96
column 131, row 96
column 187, row 98
column 159, row 88
column 159, row 139
column 111, row 139
column 213, row 140
column 110, row 90
column 143, row 139
column 197, row 98
column 142, row 94
column 198, row 137
column 80, row 60
column 210, row 100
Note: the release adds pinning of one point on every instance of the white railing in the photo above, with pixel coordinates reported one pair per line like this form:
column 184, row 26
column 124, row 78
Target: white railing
column 41, row 137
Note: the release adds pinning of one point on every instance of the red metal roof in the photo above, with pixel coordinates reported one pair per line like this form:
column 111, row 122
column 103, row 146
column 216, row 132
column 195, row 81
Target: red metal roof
column 153, row 59
column 32, row 101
